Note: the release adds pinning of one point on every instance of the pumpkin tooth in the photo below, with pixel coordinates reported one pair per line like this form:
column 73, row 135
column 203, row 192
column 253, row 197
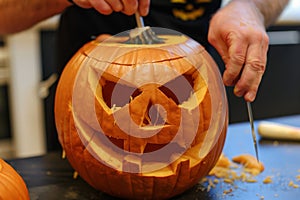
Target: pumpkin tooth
column 75, row 175
column 63, row 154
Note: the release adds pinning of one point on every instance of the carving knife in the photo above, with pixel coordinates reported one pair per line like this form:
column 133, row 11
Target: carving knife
column 249, row 108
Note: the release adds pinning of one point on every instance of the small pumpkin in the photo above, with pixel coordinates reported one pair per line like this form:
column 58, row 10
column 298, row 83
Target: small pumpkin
column 12, row 185
column 142, row 121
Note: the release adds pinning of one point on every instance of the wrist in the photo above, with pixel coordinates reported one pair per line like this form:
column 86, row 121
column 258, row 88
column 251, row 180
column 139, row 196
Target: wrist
column 270, row 9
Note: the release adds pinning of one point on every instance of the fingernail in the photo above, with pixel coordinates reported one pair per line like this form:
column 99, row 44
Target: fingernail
column 237, row 92
column 250, row 96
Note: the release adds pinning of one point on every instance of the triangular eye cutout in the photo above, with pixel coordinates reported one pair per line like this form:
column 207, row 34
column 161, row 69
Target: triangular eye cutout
column 179, row 89
column 116, row 94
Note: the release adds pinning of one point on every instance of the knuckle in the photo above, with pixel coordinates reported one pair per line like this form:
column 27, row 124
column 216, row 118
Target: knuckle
column 265, row 38
column 238, row 58
column 225, row 58
column 231, row 75
column 257, row 65
column 211, row 39
column 259, row 35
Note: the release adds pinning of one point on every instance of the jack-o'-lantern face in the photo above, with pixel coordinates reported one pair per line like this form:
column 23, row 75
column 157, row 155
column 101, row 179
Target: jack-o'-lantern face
column 141, row 112
column 189, row 9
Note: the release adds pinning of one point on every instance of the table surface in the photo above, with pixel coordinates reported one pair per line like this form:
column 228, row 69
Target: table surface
column 50, row 177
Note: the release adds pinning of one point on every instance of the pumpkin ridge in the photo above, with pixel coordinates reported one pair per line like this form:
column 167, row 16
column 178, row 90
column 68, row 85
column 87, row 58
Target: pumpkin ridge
column 14, row 183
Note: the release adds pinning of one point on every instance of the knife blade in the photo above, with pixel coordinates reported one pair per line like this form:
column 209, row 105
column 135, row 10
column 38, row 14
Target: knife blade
column 249, row 108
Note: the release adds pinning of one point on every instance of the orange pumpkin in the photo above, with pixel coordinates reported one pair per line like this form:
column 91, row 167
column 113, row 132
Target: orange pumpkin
column 12, row 186
column 142, row 121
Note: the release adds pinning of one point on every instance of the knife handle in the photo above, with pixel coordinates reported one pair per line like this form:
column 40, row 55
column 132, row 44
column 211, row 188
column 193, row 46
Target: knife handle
column 274, row 130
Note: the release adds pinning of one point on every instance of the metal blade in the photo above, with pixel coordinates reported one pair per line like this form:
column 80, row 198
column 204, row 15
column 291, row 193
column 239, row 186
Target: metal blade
column 252, row 128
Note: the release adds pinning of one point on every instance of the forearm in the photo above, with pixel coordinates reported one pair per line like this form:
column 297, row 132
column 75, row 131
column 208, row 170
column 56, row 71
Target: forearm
column 17, row 15
column 270, row 9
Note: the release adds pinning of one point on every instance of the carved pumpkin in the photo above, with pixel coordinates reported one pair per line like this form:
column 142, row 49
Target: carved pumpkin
column 142, row 121
column 12, row 186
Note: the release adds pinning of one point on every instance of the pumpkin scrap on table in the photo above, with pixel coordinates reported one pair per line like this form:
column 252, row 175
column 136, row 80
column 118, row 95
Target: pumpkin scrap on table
column 142, row 121
column 251, row 164
column 12, row 185
column 248, row 167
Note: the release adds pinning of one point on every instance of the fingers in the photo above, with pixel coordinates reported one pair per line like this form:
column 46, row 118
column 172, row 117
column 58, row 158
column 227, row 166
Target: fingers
column 237, row 53
column 219, row 44
column 253, row 70
column 248, row 86
column 83, row 3
column 240, row 38
column 130, row 6
column 106, row 7
column 143, row 7
column 244, row 54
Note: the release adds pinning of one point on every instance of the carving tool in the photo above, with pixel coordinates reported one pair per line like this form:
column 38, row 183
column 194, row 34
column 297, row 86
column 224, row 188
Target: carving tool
column 249, row 108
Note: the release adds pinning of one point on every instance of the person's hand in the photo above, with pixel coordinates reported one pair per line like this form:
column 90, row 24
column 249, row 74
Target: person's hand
column 238, row 33
column 106, row 7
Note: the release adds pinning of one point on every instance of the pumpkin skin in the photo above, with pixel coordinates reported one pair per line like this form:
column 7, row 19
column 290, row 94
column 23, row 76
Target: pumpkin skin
column 103, row 107
column 12, row 186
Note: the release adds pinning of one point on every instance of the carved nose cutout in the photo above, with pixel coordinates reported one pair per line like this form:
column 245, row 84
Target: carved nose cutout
column 156, row 115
